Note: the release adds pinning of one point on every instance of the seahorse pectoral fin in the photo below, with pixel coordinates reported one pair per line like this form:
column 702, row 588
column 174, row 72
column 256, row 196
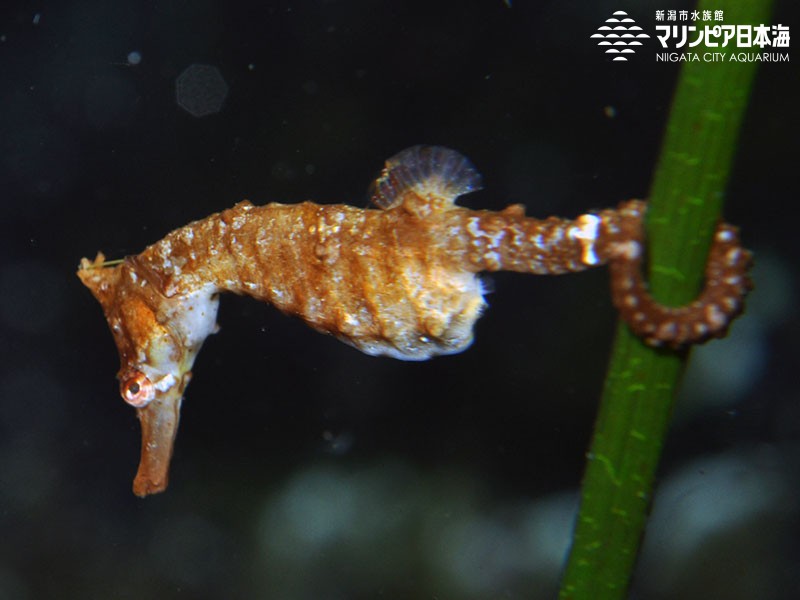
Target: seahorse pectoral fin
column 159, row 421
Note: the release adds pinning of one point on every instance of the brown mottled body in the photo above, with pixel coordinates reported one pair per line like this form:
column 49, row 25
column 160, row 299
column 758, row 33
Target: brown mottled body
column 386, row 281
column 399, row 281
column 380, row 280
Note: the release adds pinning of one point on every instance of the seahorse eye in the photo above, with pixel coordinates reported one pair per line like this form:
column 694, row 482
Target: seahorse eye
column 137, row 390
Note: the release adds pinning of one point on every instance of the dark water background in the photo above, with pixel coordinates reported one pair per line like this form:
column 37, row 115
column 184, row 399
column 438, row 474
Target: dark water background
column 304, row 469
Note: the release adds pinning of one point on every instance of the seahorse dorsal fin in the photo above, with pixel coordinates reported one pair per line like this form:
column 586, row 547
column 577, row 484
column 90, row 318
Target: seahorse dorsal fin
column 432, row 173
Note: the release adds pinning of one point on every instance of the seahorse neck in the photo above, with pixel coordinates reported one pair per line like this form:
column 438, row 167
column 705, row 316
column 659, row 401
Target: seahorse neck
column 195, row 257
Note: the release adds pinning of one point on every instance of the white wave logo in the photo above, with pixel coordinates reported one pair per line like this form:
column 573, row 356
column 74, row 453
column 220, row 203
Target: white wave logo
column 619, row 34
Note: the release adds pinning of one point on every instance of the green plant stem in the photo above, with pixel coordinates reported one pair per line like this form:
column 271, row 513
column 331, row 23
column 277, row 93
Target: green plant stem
column 685, row 204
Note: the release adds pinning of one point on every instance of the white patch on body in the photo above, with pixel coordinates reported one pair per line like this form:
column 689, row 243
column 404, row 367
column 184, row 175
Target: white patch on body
column 193, row 316
column 586, row 233
column 724, row 235
column 166, row 382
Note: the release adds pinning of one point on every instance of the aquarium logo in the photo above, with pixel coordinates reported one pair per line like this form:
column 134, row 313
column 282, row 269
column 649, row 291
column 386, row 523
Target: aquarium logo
column 620, row 36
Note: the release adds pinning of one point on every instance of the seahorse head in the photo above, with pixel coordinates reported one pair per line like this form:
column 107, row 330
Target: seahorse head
column 158, row 338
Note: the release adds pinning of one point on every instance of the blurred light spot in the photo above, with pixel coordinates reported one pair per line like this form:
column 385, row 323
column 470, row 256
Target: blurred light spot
column 723, row 372
column 610, row 112
column 483, row 553
column 714, row 493
column 730, row 509
column 36, row 18
column 320, row 507
column 31, row 295
column 134, row 58
column 365, row 527
column 201, row 90
column 338, row 443
column 324, row 506
column 547, row 532
column 478, row 552
column 775, row 296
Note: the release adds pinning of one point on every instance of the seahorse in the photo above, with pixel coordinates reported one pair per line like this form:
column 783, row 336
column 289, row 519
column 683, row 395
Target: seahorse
column 399, row 280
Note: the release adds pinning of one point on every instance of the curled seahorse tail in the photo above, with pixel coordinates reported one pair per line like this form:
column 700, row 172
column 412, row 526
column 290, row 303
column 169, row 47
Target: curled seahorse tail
column 709, row 316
